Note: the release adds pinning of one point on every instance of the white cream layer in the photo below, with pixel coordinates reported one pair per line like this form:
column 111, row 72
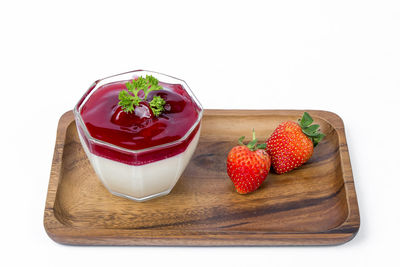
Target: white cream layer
column 142, row 181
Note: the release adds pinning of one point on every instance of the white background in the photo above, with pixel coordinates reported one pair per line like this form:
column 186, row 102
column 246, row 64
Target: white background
column 341, row 56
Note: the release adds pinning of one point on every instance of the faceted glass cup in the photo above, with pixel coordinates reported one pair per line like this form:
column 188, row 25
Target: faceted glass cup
column 125, row 172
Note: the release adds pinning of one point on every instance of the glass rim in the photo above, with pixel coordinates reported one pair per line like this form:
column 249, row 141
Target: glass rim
column 93, row 88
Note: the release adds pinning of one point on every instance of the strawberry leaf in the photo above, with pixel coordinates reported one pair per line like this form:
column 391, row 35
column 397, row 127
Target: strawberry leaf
column 311, row 131
column 318, row 139
column 241, row 140
column 261, row 146
column 306, row 120
column 252, row 145
column 312, row 128
column 313, row 134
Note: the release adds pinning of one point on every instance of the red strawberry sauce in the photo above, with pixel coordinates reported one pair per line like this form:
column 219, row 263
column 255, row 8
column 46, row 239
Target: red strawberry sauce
column 140, row 129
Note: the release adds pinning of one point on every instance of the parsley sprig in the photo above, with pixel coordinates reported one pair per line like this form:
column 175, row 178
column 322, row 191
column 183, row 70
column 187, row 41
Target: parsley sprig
column 128, row 100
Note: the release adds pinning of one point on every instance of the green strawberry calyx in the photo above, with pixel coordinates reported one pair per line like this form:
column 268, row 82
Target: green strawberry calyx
column 252, row 145
column 312, row 131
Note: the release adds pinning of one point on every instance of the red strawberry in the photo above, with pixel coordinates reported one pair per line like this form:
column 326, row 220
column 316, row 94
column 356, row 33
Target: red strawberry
column 248, row 165
column 292, row 144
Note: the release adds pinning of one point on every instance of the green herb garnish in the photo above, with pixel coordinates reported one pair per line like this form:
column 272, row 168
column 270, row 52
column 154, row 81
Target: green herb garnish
column 157, row 105
column 128, row 100
column 312, row 131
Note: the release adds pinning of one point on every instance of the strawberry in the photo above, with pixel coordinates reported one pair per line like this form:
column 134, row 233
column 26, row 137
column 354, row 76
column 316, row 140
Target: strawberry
column 292, row 144
column 248, row 165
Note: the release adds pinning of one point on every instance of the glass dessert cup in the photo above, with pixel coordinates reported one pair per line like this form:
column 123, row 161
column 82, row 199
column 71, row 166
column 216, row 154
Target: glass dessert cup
column 146, row 173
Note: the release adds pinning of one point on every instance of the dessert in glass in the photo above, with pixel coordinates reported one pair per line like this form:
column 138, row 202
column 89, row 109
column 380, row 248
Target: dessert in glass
column 139, row 130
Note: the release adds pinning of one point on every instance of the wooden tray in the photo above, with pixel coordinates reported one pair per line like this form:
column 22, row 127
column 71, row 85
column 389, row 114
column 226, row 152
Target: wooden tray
column 313, row 205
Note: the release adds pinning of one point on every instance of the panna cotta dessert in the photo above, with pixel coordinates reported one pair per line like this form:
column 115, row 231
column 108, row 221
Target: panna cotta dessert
column 139, row 130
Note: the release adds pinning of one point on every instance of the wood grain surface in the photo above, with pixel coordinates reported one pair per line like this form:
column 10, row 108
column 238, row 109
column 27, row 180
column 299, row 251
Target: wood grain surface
column 315, row 204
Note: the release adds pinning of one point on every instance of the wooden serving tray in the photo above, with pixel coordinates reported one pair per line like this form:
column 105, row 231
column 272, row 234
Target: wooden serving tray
column 313, row 205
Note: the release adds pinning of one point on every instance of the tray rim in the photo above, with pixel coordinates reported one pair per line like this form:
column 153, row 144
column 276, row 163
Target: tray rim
column 343, row 233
